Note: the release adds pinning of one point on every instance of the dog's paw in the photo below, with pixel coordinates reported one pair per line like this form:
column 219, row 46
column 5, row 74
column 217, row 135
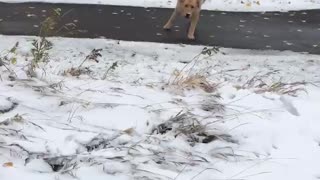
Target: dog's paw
column 191, row 37
column 166, row 27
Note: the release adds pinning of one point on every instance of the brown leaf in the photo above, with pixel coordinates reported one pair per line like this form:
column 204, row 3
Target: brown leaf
column 129, row 131
column 8, row 164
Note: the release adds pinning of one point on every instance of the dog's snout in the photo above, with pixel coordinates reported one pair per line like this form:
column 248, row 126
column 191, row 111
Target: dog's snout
column 188, row 15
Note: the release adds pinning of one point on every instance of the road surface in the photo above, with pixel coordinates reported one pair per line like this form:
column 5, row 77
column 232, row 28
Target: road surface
column 296, row 31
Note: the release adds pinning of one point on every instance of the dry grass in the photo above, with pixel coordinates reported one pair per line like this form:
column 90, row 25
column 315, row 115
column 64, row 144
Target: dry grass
column 194, row 81
column 7, row 58
column 77, row 71
column 260, row 84
column 191, row 78
column 93, row 56
column 291, row 89
column 187, row 125
column 211, row 104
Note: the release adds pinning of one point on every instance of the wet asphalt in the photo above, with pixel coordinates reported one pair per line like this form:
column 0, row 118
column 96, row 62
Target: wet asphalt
column 296, row 31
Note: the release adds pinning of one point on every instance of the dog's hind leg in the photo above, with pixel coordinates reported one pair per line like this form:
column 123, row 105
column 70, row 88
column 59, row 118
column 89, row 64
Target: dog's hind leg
column 168, row 25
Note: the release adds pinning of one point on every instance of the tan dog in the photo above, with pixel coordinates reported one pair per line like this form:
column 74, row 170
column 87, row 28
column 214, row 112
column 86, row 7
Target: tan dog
column 189, row 9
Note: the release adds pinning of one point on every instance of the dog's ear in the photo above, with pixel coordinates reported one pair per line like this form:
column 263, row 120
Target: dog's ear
column 181, row 1
column 198, row 3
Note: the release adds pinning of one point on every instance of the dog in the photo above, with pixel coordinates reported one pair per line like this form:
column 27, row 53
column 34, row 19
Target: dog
column 189, row 9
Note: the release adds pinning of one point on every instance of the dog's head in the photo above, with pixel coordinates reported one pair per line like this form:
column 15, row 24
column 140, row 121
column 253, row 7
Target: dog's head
column 188, row 7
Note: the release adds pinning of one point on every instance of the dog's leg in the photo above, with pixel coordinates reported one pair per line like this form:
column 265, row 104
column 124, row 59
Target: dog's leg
column 171, row 20
column 193, row 24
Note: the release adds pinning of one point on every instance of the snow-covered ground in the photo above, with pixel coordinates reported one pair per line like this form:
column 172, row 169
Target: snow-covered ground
column 99, row 124
column 221, row 5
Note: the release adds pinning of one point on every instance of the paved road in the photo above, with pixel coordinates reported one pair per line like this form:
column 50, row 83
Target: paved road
column 296, row 31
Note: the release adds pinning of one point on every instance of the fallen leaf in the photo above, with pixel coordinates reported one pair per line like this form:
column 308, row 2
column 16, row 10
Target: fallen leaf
column 8, row 164
column 129, row 131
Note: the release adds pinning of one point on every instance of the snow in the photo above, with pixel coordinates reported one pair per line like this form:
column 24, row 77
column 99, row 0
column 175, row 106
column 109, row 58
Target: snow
column 102, row 128
column 220, row 5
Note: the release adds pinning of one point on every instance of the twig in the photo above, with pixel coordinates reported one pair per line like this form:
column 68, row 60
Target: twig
column 204, row 171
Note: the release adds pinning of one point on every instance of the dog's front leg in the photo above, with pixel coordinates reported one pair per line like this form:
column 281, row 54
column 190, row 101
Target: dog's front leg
column 171, row 20
column 193, row 24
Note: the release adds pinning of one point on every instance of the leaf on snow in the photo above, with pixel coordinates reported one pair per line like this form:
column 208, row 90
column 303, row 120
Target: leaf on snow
column 8, row 164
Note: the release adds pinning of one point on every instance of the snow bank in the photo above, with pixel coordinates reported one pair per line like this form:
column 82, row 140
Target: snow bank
column 86, row 126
